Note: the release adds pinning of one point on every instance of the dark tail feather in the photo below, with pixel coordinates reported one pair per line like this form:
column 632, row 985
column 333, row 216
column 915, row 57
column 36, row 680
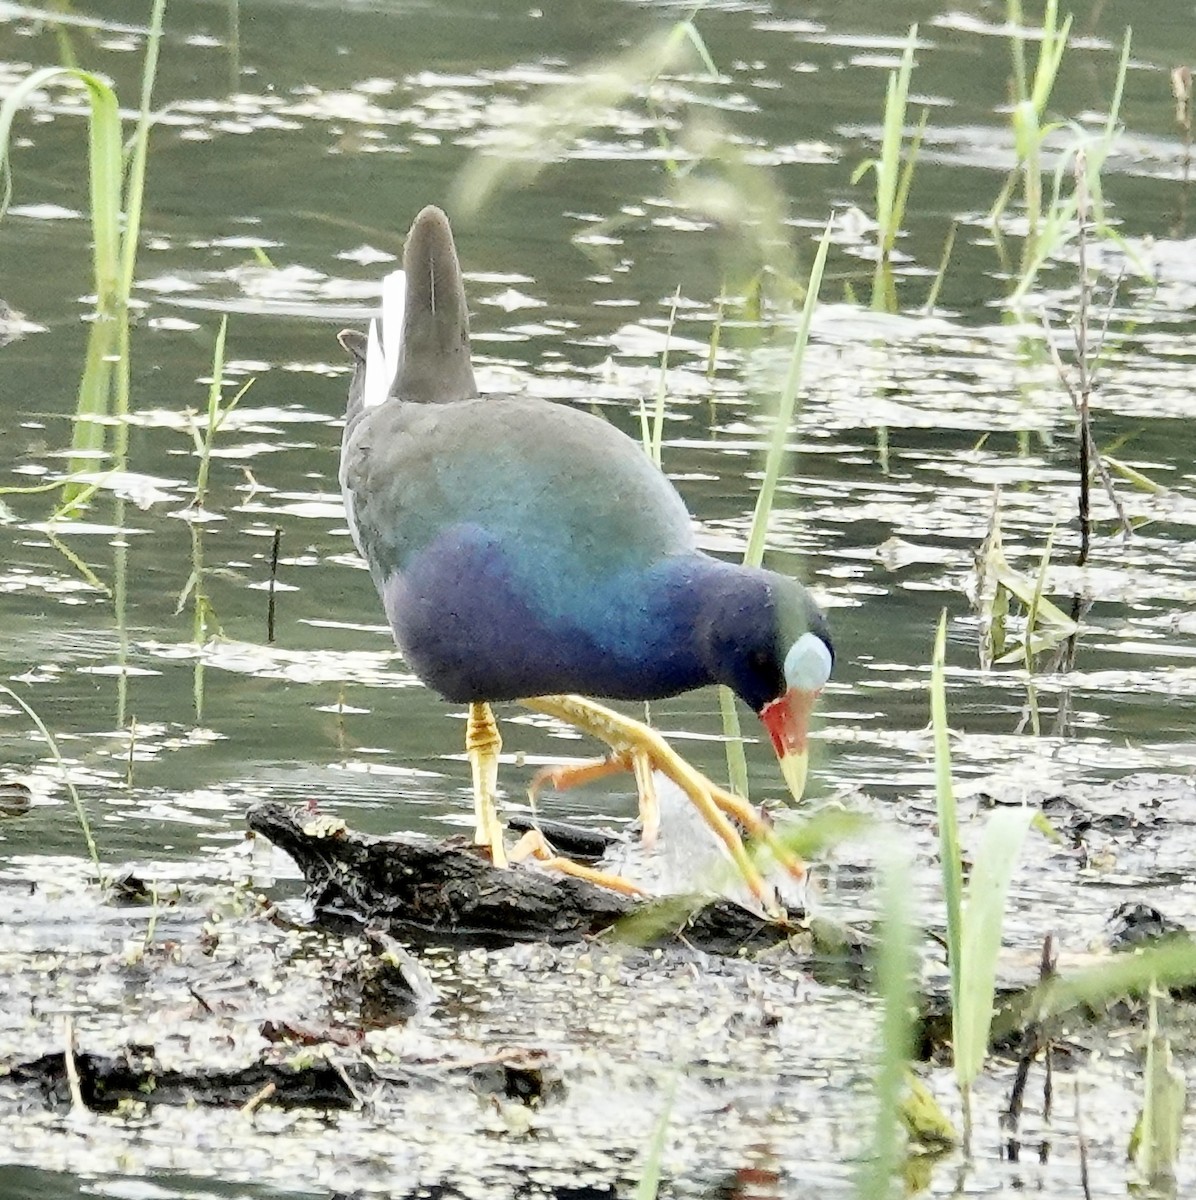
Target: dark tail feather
column 434, row 366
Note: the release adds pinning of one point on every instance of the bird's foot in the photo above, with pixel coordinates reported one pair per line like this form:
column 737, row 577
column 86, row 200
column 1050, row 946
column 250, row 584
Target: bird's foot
column 533, row 844
column 636, row 746
column 482, row 744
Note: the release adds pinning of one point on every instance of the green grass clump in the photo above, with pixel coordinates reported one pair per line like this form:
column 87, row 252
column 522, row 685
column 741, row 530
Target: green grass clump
column 1027, row 114
column 204, row 620
column 975, row 916
column 1053, row 221
column 117, row 188
column 1000, row 588
column 893, row 176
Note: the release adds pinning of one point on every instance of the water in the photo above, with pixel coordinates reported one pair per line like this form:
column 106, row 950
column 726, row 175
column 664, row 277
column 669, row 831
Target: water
column 310, row 134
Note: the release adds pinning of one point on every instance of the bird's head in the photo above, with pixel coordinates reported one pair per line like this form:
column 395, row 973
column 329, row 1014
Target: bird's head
column 769, row 643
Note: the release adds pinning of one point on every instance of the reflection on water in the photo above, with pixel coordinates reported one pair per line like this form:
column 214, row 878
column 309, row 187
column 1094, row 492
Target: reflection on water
column 282, row 200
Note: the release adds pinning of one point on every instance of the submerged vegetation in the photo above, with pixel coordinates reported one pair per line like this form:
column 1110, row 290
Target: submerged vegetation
column 1051, row 210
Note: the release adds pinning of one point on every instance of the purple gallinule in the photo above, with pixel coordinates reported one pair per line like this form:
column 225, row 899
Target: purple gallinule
column 524, row 549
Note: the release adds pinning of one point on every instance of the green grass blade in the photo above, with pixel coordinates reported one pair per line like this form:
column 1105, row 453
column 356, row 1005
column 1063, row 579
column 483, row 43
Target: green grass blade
column 76, row 801
column 1123, row 66
column 894, row 981
column 889, row 174
column 14, row 101
column 893, row 129
column 136, row 179
column 1133, row 476
column 649, row 1182
column 941, row 274
column 88, row 432
column 85, row 572
column 983, row 925
column 948, row 817
column 1168, row 965
column 1024, row 589
column 783, row 421
column 716, row 334
column 950, row 860
column 890, row 150
column 737, row 772
column 893, row 180
column 690, row 30
column 905, row 181
column 774, row 460
column 215, row 415
column 644, row 427
column 869, row 164
column 115, row 221
column 1155, row 1146
column 1035, row 605
column 1013, row 17
column 104, row 158
column 1050, row 55
column 106, row 163
column 543, row 129
column 657, row 437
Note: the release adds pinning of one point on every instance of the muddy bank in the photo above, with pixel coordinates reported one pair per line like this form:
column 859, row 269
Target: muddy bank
column 533, row 1067
column 214, row 1029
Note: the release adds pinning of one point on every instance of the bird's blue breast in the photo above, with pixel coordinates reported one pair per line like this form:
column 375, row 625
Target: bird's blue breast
column 524, row 548
column 480, row 619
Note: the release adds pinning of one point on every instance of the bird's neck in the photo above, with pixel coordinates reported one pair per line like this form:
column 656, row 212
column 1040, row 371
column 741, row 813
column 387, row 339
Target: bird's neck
column 734, row 626
column 712, row 613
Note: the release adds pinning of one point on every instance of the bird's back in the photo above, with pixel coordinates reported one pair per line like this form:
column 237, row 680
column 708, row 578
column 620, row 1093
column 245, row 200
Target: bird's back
column 562, row 489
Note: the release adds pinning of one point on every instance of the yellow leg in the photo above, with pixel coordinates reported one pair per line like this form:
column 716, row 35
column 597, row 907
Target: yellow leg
column 641, row 765
column 759, row 828
column 575, row 774
column 482, row 744
column 533, row 845
column 632, row 741
column 569, row 775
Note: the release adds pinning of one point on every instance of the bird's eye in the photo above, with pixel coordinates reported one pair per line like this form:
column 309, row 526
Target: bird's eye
column 808, row 663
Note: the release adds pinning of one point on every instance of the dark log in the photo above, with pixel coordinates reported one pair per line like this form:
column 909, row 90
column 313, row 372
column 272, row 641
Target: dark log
column 427, row 890
column 105, row 1082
